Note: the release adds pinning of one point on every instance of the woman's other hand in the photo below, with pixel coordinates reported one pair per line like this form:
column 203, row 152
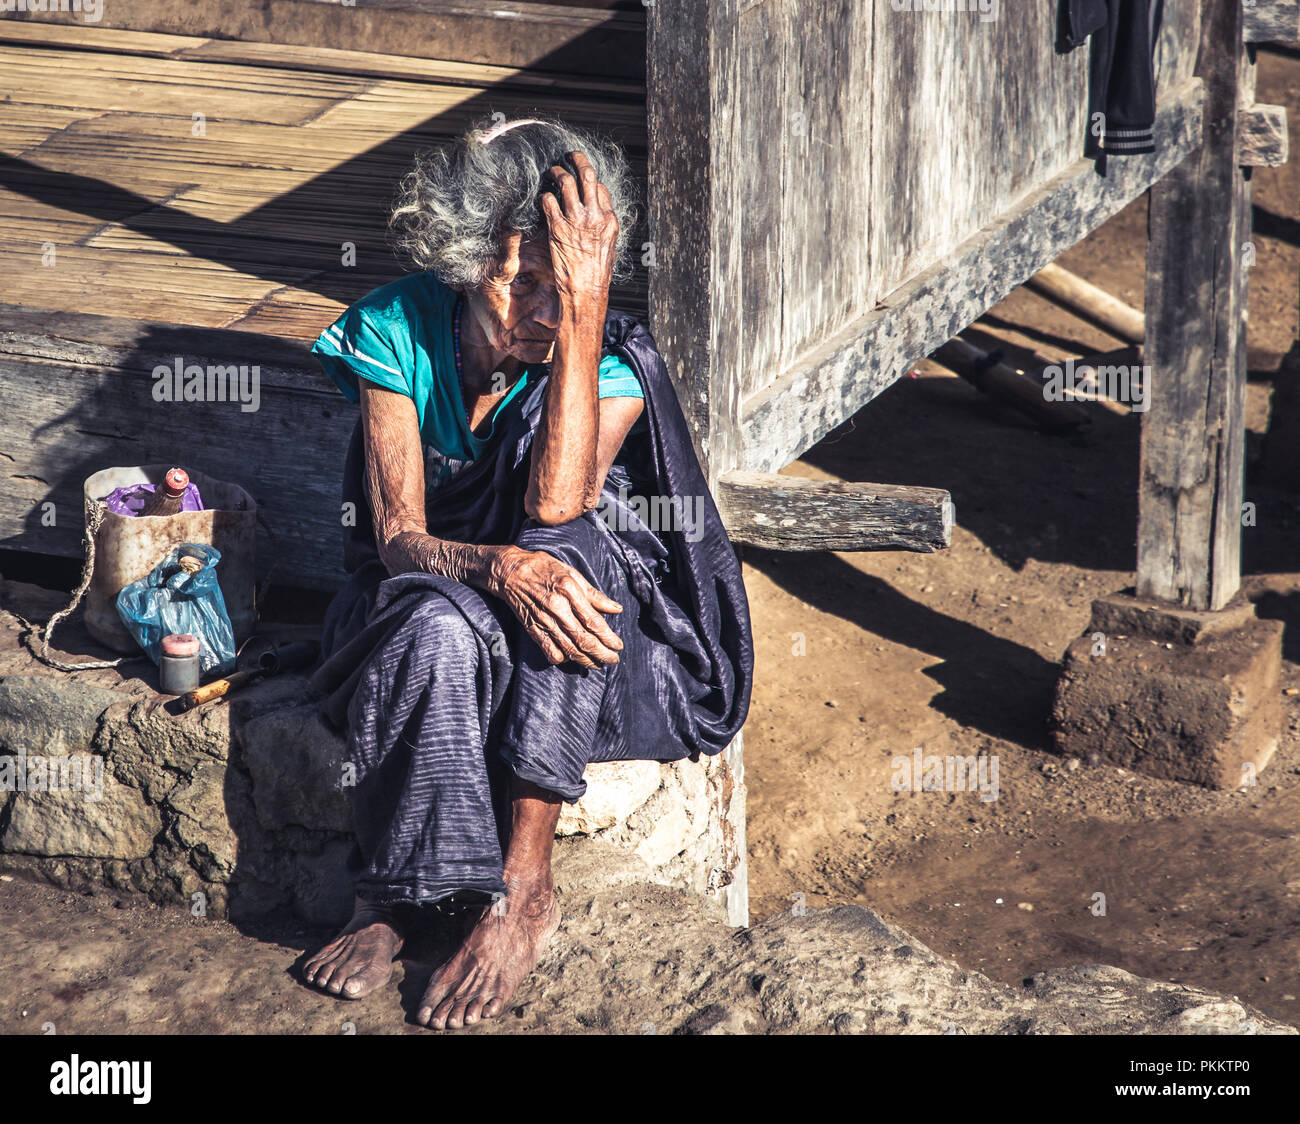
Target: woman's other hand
column 557, row 606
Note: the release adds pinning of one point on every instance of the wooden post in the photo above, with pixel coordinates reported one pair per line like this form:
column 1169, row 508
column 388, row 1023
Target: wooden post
column 1193, row 436
column 691, row 49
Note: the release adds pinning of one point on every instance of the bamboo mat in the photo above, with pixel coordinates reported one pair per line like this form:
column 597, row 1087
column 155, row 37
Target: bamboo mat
column 215, row 184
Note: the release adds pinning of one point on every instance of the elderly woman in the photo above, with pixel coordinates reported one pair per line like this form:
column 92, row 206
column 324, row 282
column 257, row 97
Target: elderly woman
column 513, row 613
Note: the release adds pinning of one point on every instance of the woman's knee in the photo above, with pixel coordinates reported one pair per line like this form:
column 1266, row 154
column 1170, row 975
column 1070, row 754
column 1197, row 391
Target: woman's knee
column 436, row 627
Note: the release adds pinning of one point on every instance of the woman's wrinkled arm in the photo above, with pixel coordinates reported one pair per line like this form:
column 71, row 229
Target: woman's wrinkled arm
column 578, row 435
column 556, row 604
column 395, row 477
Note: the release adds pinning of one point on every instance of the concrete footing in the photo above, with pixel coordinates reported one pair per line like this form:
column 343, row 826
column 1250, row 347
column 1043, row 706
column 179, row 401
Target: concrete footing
column 1174, row 693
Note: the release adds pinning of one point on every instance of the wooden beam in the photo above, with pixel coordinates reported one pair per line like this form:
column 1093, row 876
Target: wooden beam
column 690, row 45
column 841, row 376
column 515, row 33
column 1262, row 136
column 1087, row 300
column 1271, row 21
column 792, row 513
column 691, row 157
column 316, row 60
column 1193, row 434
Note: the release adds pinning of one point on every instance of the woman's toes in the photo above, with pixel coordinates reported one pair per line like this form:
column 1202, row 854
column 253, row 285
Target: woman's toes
column 365, row 981
column 320, row 964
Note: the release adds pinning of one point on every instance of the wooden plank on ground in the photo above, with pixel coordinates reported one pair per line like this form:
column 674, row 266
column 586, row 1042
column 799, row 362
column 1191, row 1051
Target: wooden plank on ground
column 795, row 513
column 1090, row 301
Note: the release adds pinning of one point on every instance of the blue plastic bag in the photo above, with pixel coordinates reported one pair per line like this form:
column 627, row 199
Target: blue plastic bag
column 169, row 599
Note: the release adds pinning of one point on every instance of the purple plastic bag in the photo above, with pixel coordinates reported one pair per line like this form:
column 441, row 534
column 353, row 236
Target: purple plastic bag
column 128, row 500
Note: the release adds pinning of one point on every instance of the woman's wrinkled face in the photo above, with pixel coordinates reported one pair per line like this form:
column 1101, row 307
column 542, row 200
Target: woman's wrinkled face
column 517, row 308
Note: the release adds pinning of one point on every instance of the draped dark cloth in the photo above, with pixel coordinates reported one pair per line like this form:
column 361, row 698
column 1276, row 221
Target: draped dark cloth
column 444, row 696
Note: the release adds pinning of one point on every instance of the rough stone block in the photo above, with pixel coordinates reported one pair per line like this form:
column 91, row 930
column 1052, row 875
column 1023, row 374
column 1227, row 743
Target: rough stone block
column 296, row 762
column 1122, row 614
column 120, row 825
column 615, row 789
column 202, row 822
column 47, row 716
column 1206, row 711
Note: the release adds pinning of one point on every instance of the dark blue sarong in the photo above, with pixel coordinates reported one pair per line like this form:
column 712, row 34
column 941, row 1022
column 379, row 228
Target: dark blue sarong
column 444, row 695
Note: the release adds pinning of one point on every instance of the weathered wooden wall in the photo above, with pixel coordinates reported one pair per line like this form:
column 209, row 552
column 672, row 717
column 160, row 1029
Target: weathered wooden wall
column 816, row 167
column 871, row 143
column 83, row 401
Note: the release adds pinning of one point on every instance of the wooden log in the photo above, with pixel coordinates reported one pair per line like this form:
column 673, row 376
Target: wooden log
column 1193, row 434
column 1263, row 141
column 792, row 513
column 1094, row 304
column 999, row 380
column 1271, row 21
column 836, row 379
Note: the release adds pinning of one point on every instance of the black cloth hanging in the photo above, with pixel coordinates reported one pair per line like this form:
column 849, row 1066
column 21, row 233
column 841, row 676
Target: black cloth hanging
column 1122, row 83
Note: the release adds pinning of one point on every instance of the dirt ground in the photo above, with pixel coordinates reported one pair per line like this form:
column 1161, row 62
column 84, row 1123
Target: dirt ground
column 864, row 657
column 957, row 653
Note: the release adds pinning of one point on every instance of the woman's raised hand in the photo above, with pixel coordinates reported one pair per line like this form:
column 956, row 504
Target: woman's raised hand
column 558, row 607
column 583, row 232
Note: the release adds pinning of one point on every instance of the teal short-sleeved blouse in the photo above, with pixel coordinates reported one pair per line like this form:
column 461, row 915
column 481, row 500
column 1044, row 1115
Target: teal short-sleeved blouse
column 400, row 337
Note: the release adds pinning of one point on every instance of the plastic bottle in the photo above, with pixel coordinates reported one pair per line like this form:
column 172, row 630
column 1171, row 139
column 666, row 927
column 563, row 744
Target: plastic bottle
column 168, row 496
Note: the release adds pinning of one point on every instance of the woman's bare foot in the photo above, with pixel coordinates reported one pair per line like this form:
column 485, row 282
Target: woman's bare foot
column 360, row 958
column 510, row 935
column 505, row 945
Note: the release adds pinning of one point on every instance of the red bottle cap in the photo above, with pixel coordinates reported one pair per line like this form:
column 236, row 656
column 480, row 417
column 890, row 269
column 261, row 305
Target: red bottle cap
column 176, row 481
column 180, row 644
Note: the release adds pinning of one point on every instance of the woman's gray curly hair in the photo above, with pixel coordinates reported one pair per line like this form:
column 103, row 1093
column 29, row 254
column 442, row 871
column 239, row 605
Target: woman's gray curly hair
column 455, row 207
